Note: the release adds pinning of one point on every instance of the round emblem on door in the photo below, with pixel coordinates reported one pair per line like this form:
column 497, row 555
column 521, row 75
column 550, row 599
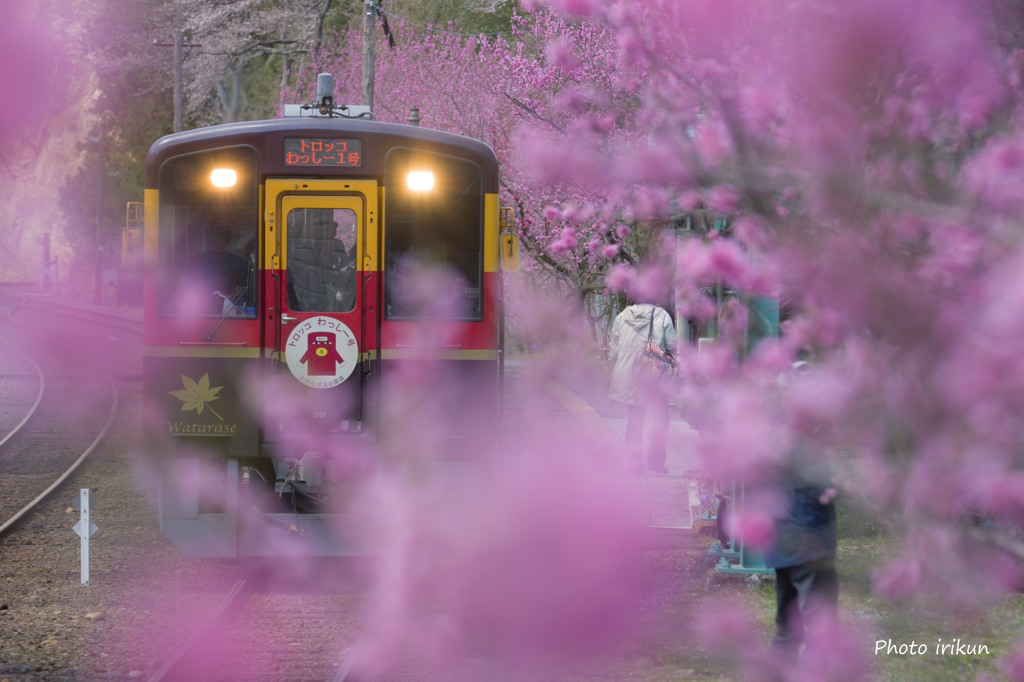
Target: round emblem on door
column 321, row 351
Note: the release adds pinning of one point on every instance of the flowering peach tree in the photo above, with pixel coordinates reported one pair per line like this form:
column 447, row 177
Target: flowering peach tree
column 862, row 164
column 543, row 74
column 870, row 158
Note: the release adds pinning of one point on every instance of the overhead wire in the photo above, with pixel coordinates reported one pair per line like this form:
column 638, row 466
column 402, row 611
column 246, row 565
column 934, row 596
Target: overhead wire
column 384, row 23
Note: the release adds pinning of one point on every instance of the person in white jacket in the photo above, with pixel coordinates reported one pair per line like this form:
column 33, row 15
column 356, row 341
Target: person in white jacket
column 629, row 335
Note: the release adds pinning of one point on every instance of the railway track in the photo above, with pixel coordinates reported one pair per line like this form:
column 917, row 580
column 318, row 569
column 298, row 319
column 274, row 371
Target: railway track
column 57, row 415
column 262, row 632
column 60, row 371
column 146, row 600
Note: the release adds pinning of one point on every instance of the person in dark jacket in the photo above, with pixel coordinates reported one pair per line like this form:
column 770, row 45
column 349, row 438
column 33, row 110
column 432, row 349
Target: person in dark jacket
column 803, row 556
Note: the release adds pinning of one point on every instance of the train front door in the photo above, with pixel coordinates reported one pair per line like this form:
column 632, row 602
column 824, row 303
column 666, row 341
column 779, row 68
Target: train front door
column 321, row 237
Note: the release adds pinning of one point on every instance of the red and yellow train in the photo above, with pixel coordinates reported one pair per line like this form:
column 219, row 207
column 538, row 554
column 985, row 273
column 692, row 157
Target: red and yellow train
column 295, row 270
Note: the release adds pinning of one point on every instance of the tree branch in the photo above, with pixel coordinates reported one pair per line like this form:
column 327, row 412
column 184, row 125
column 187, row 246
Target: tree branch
column 530, row 110
column 318, row 31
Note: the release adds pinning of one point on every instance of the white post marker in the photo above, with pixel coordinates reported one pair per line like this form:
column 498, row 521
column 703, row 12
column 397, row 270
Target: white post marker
column 85, row 529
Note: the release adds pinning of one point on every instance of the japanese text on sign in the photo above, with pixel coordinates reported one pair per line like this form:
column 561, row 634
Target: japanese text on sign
column 310, row 151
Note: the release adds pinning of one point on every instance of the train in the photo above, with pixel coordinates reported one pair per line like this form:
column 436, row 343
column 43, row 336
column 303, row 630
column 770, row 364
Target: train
column 129, row 268
column 294, row 271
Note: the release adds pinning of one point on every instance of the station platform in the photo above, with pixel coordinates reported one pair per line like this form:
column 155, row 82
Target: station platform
column 660, row 502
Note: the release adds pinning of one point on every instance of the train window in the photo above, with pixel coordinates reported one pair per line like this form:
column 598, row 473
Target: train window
column 433, row 236
column 208, row 234
column 322, row 259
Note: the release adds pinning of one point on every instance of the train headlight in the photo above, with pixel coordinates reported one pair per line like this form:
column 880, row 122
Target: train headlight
column 420, row 181
column 224, row 177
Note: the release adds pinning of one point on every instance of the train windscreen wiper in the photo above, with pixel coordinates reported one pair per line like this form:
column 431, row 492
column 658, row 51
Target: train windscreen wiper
column 230, row 309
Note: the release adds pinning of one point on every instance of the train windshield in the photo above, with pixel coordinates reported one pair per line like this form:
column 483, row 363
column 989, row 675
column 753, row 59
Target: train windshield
column 209, row 234
column 433, row 237
column 322, row 259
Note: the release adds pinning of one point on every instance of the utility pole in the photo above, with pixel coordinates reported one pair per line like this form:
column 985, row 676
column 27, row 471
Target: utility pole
column 100, row 142
column 369, row 31
column 178, row 59
column 181, row 41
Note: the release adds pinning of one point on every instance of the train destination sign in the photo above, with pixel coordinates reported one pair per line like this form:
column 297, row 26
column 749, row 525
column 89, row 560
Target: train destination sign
column 317, row 151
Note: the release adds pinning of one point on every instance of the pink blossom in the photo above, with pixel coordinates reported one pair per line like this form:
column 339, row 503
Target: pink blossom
column 755, row 529
column 824, row 394
column 619, row 277
column 728, row 263
column 712, row 143
column 872, row 174
column 835, row 652
column 651, row 284
column 560, row 53
column 1013, row 663
column 899, row 577
column 578, row 7
column 997, row 171
column 631, row 46
column 751, row 230
column 566, row 242
column 724, row 198
column 1003, row 496
column 727, row 626
column 31, row 85
column 552, row 213
column 689, row 200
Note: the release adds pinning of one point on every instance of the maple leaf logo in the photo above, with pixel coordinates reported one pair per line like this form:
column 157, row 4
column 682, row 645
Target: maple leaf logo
column 197, row 395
